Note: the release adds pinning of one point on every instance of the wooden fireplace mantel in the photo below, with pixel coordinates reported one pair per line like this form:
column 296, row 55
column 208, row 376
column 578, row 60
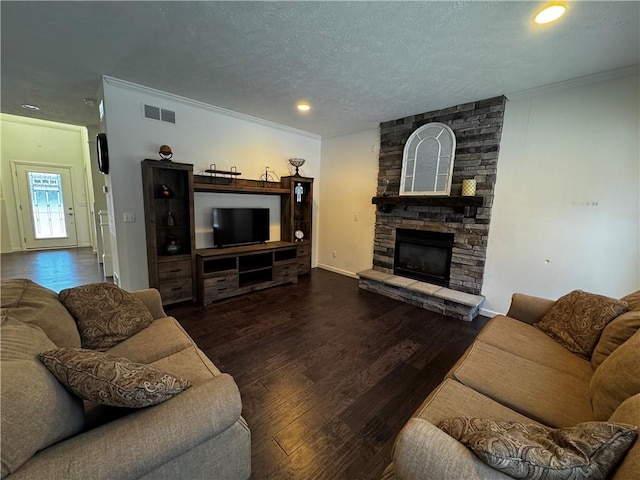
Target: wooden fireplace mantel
column 469, row 205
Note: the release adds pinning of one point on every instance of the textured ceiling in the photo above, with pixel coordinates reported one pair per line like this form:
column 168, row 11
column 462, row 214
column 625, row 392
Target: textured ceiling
column 357, row 63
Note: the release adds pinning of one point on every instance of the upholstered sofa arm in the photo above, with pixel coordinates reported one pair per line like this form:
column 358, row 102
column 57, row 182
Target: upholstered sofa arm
column 423, row 451
column 153, row 301
column 129, row 447
column 527, row 308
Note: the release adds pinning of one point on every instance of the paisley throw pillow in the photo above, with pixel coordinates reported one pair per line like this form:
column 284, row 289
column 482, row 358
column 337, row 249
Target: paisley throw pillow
column 105, row 314
column 587, row 451
column 109, row 380
column 576, row 320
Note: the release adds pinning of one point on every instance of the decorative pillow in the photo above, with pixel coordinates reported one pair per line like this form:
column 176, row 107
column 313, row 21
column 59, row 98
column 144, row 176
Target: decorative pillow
column 108, row 380
column 633, row 299
column 36, row 410
column 618, row 331
column 106, row 315
column 577, row 320
column 616, row 379
column 587, row 451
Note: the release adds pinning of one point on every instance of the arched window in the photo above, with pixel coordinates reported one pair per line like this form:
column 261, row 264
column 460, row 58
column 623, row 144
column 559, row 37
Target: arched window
column 427, row 162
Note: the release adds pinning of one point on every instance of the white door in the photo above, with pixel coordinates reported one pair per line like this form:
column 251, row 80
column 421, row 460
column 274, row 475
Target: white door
column 46, row 206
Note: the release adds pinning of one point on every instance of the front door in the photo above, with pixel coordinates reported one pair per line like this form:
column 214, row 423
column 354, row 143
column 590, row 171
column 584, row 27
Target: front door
column 45, row 206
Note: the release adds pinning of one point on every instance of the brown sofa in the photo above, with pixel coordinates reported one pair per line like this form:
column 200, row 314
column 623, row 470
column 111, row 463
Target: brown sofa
column 515, row 372
column 48, row 433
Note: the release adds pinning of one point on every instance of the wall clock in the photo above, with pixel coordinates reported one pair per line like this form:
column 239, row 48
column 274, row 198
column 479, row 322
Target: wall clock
column 103, row 153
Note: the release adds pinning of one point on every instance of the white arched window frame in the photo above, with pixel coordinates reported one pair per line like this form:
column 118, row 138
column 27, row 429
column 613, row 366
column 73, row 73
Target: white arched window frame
column 427, row 162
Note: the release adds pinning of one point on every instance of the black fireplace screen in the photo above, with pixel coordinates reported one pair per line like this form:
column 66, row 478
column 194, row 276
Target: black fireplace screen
column 423, row 255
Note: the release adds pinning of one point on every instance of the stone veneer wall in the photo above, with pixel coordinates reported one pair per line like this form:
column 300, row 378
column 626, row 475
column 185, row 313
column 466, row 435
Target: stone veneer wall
column 478, row 127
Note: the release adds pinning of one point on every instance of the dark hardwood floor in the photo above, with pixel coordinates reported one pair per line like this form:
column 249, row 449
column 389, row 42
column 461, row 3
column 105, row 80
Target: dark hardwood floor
column 328, row 373
column 54, row 269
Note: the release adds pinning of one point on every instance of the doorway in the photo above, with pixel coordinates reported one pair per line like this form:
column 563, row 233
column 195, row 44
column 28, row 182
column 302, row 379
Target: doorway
column 45, row 206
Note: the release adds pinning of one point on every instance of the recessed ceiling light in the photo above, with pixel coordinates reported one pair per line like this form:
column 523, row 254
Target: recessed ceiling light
column 549, row 13
column 303, row 106
column 26, row 106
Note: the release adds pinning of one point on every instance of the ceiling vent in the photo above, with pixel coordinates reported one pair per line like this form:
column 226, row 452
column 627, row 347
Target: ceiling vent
column 160, row 114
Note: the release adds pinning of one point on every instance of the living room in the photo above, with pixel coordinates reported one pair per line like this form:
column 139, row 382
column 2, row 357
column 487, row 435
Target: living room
column 565, row 212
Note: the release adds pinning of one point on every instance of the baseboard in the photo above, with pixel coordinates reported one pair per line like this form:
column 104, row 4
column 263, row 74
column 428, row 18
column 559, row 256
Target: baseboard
column 338, row 270
column 489, row 313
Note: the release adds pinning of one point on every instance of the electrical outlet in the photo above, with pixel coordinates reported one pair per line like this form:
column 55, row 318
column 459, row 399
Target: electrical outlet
column 335, row 254
column 129, row 217
column 356, row 217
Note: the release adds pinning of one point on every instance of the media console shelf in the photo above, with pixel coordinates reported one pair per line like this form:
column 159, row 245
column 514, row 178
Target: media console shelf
column 231, row 271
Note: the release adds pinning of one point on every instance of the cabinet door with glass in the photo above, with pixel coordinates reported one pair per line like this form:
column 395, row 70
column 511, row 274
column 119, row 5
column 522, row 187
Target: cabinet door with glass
column 297, row 214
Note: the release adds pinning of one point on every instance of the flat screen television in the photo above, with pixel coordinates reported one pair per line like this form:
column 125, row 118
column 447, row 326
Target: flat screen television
column 240, row 226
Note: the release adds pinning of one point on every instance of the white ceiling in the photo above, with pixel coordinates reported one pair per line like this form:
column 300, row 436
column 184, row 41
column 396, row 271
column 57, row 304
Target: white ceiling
column 357, row 63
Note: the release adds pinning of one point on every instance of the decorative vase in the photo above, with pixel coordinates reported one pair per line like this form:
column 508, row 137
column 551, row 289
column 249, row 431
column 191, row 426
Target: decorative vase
column 172, row 246
column 170, row 220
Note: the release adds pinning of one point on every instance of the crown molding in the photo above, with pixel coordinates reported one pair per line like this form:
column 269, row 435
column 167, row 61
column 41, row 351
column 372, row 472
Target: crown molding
column 205, row 106
column 577, row 82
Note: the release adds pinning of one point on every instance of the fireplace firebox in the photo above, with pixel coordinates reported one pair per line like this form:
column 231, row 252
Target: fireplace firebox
column 423, row 255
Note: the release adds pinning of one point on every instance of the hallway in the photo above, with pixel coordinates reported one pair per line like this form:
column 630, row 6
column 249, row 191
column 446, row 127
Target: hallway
column 54, row 269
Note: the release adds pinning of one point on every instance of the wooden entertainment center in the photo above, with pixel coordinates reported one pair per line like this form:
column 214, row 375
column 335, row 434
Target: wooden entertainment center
column 181, row 272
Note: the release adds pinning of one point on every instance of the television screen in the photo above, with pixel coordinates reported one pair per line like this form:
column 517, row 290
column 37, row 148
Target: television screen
column 240, row 226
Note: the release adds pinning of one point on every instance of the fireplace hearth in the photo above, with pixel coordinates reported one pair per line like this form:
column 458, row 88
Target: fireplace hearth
column 423, row 255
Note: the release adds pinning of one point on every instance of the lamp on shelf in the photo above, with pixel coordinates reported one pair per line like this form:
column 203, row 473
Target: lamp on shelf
column 297, row 162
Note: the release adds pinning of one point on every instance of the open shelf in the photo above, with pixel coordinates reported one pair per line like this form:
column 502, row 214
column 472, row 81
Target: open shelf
column 226, row 272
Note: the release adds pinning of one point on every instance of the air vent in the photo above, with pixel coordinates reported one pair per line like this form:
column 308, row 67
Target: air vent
column 157, row 113
column 151, row 112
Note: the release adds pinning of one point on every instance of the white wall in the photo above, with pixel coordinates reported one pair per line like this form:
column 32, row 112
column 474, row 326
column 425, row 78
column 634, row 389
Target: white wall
column 349, row 178
column 566, row 211
column 38, row 141
column 201, row 136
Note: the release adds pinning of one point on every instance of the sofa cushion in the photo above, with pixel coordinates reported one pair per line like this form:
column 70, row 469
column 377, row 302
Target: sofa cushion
column 616, row 379
column 36, row 410
column 618, row 331
column 109, row 380
column 34, row 304
column 585, row 451
column 633, row 299
column 453, row 399
column 106, row 315
column 189, row 363
column 162, row 338
column 528, row 342
column 577, row 319
column 542, row 393
column 629, row 412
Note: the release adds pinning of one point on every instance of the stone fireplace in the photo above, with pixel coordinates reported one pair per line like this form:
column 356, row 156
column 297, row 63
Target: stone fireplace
column 478, row 127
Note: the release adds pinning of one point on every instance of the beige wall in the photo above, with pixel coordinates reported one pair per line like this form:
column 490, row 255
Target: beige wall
column 38, row 141
column 346, row 216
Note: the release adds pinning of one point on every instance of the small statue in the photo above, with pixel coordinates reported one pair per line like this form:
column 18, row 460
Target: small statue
column 298, row 191
column 165, row 153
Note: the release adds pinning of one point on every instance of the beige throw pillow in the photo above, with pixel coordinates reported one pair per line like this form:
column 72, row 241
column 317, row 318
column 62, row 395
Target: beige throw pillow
column 576, row 320
column 108, row 380
column 616, row 379
column 106, row 315
column 587, row 451
column 618, row 331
